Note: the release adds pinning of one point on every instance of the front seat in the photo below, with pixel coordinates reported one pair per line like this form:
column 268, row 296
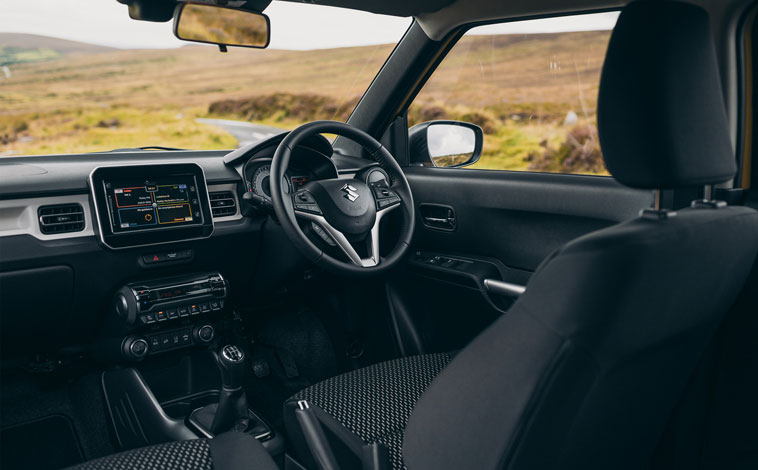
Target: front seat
column 585, row 368
column 229, row 451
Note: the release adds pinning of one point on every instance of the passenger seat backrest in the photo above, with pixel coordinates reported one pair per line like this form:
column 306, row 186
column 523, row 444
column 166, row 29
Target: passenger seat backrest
column 585, row 368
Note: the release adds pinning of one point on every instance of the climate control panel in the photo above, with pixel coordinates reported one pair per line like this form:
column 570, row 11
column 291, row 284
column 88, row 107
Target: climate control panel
column 167, row 314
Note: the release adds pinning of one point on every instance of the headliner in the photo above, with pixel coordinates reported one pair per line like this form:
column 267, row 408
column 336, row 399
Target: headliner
column 439, row 17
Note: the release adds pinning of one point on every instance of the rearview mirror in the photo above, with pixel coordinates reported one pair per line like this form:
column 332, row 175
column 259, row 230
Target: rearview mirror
column 445, row 144
column 221, row 25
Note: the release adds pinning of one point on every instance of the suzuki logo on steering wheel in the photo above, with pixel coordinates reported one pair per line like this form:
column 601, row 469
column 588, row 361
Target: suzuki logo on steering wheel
column 350, row 192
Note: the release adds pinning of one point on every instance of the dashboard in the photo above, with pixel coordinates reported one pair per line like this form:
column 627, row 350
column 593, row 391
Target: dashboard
column 83, row 226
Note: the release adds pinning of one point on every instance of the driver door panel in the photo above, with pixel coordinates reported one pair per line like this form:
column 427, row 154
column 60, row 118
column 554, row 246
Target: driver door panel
column 505, row 224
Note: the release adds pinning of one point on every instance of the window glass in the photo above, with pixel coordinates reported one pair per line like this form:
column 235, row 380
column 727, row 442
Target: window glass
column 531, row 86
column 81, row 76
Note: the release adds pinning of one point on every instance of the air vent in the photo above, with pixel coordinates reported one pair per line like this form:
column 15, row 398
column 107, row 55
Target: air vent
column 61, row 218
column 223, row 204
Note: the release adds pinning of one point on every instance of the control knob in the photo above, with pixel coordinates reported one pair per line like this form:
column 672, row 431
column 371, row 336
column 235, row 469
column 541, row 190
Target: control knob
column 204, row 334
column 136, row 348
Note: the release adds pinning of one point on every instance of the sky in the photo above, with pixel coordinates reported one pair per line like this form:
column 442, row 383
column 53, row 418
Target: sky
column 294, row 25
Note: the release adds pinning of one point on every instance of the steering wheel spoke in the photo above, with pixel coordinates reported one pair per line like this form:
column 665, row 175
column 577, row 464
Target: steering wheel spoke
column 374, row 236
column 330, row 233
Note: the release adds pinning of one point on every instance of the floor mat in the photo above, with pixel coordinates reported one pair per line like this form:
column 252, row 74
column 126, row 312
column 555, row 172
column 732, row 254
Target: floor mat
column 298, row 351
column 49, row 443
column 27, row 398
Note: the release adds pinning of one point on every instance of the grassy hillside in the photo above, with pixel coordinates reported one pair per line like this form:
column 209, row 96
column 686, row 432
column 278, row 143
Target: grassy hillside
column 518, row 88
column 18, row 48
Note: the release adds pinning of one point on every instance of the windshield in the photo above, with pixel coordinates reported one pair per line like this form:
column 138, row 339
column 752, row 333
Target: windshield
column 115, row 83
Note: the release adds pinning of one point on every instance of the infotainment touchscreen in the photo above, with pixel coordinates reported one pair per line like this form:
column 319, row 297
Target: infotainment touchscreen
column 153, row 204
column 147, row 204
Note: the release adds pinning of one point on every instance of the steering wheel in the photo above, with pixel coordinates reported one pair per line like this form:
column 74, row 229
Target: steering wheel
column 348, row 210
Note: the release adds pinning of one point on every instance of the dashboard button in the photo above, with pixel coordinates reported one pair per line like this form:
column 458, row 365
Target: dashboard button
column 183, row 311
column 165, row 341
column 194, row 310
column 149, row 318
column 215, row 305
column 176, row 339
column 150, row 259
column 161, row 315
column 204, row 308
column 172, row 313
column 185, row 337
column 155, row 343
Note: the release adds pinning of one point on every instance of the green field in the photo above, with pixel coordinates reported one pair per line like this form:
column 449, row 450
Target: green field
column 518, row 88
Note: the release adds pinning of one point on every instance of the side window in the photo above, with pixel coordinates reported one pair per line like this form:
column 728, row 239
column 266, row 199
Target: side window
column 530, row 86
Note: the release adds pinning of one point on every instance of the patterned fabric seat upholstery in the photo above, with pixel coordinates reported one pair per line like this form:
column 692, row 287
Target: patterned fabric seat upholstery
column 374, row 402
column 230, row 451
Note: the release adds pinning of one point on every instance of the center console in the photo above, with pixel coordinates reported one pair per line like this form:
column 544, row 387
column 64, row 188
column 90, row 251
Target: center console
column 177, row 384
column 172, row 380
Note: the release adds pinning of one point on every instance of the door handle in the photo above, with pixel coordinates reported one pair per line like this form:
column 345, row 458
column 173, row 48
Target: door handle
column 439, row 217
column 436, row 220
column 506, row 289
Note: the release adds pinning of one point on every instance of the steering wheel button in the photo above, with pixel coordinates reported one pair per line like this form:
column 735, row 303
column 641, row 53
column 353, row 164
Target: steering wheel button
column 312, row 208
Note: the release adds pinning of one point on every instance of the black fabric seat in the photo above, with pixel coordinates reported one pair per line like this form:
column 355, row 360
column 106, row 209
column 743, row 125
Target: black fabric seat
column 230, row 451
column 375, row 402
column 586, row 367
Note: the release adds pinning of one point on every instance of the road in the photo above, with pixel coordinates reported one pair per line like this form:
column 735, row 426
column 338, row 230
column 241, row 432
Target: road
column 245, row 132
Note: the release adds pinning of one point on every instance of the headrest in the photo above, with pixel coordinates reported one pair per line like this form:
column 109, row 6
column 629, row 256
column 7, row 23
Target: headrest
column 661, row 115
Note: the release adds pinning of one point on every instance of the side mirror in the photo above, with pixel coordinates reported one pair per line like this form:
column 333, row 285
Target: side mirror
column 224, row 26
column 445, row 144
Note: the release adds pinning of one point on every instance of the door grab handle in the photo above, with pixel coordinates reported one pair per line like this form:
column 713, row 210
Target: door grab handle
column 436, row 220
column 506, row 289
column 439, row 217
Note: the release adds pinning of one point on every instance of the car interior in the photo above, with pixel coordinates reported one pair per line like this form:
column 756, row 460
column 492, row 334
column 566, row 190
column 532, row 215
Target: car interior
column 351, row 295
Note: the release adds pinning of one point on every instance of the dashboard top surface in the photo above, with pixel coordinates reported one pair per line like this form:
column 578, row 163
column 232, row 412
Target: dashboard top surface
column 34, row 176
column 56, row 174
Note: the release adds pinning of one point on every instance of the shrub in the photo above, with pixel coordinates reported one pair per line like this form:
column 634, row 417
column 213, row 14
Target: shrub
column 280, row 106
column 110, row 123
column 579, row 153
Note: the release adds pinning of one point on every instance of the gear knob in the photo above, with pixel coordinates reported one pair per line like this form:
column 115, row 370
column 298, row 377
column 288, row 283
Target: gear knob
column 231, row 362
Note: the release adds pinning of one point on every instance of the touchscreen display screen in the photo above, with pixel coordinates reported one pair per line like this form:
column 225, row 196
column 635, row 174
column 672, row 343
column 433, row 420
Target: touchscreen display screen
column 153, row 204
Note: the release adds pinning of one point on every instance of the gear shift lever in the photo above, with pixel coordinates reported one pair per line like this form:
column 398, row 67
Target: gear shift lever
column 232, row 410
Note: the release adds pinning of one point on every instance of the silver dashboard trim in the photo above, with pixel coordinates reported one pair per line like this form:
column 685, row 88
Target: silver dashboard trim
column 19, row 216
